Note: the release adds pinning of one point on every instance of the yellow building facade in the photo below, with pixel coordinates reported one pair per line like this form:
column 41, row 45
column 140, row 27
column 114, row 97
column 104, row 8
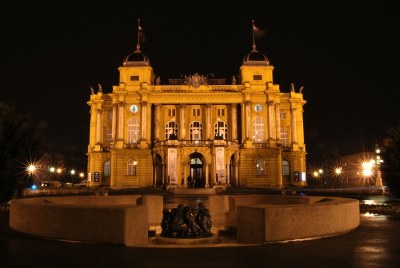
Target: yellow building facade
column 196, row 131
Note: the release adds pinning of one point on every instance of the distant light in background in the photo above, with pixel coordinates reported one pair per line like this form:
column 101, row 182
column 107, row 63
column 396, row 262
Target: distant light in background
column 338, row 170
column 367, row 168
column 31, row 169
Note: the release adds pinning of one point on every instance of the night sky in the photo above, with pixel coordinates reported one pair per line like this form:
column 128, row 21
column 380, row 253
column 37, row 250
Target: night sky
column 345, row 54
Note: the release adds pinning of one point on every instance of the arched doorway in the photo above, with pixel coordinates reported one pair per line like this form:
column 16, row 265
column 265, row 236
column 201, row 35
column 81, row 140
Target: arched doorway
column 232, row 171
column 158, row 171
column 197, row 175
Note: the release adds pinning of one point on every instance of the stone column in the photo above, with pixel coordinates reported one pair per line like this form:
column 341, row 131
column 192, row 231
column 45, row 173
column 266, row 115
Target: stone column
column 228, row 173
column 294, row 126
column 207, row 185
column 121, row 122
column 157, row 122
column 234, row 122
column 248, row 121
column 208, row 122
column 237, row 169
column 278, row 121
column 144, row 121
column 182, row 131
column 271, row 123
column 99, row 126
column 114, row 122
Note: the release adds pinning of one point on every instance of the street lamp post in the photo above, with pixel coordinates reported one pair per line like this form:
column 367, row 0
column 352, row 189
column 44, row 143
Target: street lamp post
column 59, row 171
column 52, row 170
column 31, row 170
column 378, row 161
column 72, row 175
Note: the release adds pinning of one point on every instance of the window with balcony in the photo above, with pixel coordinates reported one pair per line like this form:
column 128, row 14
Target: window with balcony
column 133, row 130
column 258, row 129
column 284, row 137
column 221, row 130
column 196, row 130
column 171, row 130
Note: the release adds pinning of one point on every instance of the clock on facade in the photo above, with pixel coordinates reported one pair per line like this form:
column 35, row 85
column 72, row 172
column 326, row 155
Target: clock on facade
column 258, row 107
column 133, row 108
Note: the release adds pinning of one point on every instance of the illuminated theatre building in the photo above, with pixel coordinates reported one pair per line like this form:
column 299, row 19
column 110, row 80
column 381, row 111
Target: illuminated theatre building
column 245, row 132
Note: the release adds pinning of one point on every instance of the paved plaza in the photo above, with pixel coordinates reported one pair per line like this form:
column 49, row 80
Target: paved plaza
column 375, row 243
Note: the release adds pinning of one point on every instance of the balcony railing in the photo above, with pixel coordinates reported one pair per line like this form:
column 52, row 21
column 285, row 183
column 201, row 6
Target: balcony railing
column 192, row 143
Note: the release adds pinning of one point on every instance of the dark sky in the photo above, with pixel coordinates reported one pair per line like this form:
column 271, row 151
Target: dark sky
column 344, row 53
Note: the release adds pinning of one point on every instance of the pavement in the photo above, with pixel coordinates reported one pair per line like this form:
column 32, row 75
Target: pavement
column 375, row 243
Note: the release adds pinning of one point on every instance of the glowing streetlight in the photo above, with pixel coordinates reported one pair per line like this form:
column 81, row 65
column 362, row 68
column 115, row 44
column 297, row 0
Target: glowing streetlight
column 378, row 161
column 31, row 168
column 81, row 175
column 367, row 168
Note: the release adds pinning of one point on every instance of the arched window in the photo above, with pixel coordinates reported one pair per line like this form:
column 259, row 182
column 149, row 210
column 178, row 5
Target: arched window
column 131, row 167
column 196, row 130
column 171, row 128
column 221, row 129
column 261, row 167
column 133, row 130
column 107, row 168
column 284, row 137
column 285, row 168
column 258, row 129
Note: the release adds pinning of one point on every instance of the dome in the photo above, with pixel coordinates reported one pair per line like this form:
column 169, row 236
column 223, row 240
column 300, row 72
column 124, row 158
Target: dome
column 136, row 58
column 255, row 58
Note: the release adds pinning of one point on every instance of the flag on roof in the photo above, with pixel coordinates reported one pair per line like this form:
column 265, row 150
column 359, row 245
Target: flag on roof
column 257, row 31
column 141, row 35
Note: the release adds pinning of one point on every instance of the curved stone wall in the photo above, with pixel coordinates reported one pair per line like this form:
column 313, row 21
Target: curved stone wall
column 126, row 219
column 269, row 218
column 109, row 219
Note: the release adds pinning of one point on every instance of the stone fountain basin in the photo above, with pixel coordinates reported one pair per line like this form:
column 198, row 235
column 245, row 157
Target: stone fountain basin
column 272, row 218
column 126, row 219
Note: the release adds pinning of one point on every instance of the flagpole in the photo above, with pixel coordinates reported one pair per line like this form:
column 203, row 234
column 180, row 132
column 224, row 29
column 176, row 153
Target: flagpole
column 138, row 37
column 254, row 43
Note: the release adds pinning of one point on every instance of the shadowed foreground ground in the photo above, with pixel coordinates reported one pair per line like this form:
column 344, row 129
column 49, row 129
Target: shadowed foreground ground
column 373, row 244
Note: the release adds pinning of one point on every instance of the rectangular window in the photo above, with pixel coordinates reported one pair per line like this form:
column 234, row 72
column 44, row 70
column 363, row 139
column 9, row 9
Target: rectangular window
column 221, row 112
column 134, row 78
column 196, row 112
column 282, row 115
column 171, row 112
column 257, row 77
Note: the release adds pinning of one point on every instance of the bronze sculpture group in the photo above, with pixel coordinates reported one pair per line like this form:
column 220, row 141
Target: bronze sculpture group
column 186, row 222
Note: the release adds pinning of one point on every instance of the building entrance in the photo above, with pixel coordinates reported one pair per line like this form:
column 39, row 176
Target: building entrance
column 197, row 178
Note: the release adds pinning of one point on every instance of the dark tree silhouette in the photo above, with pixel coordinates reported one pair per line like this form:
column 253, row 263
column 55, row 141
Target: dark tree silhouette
column 20, row 143
column 391, row 159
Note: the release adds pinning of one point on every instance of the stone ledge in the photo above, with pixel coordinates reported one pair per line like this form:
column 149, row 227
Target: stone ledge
column 105, row 219
column 260, row 223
